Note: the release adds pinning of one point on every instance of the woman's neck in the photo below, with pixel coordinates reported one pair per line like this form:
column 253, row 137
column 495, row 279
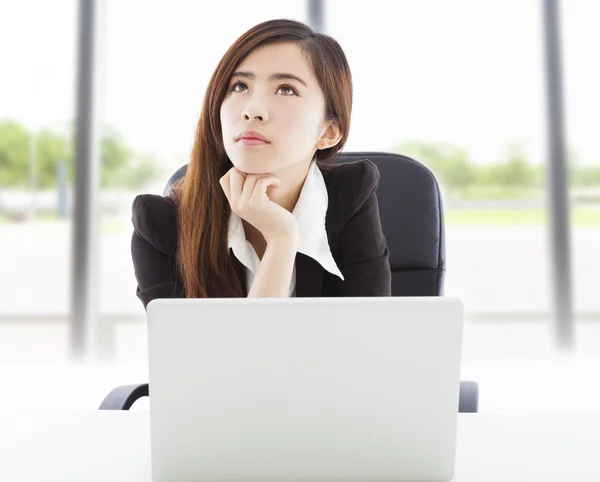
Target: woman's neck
column 286, row 195
column 292, row 180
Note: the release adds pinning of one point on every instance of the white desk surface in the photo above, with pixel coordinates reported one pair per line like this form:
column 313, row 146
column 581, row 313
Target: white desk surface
column 99, row 446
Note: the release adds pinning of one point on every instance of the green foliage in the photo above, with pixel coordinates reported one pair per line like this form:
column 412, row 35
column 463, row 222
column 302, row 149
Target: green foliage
column 449, row 163
column 14, row 153
column 51, row 149
column 513, row 176
column 515, row 171
column 120, row 167
column 586, row 176
column 582, row 175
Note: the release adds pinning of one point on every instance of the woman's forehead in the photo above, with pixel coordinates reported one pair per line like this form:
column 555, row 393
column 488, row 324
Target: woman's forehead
column 277, row 58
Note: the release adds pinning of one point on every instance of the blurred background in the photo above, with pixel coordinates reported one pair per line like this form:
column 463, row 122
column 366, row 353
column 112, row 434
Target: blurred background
column 96, row 109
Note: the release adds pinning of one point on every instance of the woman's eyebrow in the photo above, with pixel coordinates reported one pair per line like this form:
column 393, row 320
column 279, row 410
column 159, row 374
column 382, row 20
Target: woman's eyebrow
column 250, row 75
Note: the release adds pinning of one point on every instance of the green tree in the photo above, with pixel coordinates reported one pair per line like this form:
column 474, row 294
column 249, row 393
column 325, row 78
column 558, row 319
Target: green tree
column 115, row 158
column 14, row 153
column 515, row 171
column 120, row 166
column 585, row 176
column 580, row 174
column 449, row 163
column 51, row 148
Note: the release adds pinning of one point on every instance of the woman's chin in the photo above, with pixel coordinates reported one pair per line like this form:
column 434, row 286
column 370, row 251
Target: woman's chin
column 251, row 166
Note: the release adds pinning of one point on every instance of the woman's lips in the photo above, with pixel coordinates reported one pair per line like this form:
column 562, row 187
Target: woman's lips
column 250, row 141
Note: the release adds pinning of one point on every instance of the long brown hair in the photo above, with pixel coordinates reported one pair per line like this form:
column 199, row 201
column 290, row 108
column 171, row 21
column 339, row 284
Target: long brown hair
column 203, row 261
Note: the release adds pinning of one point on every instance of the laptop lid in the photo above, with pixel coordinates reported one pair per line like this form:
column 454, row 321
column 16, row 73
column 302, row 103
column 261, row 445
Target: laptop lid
column 304, row 389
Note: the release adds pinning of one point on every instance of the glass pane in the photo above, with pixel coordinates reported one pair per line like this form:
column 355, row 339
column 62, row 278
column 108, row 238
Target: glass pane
column 457, row 85
column 36, row 116
column 155, row 62
column 156, row 81
column 582, row 78
column 445, row 90
column 460, row 87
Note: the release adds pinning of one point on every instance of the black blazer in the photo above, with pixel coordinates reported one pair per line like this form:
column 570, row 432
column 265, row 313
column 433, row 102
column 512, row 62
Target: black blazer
column 353, row 229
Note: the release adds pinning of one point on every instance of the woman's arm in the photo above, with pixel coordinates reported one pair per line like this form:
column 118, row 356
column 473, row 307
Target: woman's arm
column 152, row 249
column 275, row 271
column 363, row 255
column 248, row 198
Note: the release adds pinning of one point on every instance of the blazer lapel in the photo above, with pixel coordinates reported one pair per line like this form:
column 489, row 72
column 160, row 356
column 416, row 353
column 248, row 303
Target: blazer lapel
column 309, row 277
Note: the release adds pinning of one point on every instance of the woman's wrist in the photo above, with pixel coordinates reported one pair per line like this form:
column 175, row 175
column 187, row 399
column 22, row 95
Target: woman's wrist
column 288, row 240
column 276, row 268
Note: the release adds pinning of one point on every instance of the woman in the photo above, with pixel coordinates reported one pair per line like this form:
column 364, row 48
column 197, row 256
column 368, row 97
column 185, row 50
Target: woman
column 262, row 210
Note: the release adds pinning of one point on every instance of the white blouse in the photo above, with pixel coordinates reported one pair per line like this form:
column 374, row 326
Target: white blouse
column 310, row 212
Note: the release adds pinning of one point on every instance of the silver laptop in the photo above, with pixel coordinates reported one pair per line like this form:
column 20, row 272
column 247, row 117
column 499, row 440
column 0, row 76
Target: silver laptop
column 304, row 389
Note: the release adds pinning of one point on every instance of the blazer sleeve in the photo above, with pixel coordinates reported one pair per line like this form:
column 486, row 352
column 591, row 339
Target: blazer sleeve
column 153, row 247
column 363, row 255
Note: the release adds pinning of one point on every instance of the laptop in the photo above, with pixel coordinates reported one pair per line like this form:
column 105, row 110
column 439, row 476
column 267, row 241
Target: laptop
column 304, row 389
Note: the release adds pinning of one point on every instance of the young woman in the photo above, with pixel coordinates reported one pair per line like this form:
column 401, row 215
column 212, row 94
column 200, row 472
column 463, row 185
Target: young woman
column 263, row 210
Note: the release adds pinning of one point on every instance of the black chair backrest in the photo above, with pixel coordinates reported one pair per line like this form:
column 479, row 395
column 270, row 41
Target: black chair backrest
column 410, row 206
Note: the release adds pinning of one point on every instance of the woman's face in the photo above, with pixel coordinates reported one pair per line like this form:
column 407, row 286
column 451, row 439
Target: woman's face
column 274, row 93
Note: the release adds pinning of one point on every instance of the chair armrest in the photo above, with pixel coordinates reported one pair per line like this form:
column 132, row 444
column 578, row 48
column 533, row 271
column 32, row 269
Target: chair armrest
column 469, row 397
column 123, row 397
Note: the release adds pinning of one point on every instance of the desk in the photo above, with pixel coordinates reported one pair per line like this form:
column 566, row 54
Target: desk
column 102, row 446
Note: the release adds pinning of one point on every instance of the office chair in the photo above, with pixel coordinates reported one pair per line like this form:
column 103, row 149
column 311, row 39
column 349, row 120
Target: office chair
column 410, row 207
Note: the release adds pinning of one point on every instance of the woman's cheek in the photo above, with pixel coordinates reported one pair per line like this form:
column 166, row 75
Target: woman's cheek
column 289, row 120
column 228, row 113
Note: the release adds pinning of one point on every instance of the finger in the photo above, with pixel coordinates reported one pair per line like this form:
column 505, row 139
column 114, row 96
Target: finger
column 241, row 173
column 249, row 187
column 250, row 183
column 261, row 186
column 236, row 182
column 224, row 182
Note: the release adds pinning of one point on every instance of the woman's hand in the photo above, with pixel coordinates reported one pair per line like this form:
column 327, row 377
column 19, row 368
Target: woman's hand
column 247, row 196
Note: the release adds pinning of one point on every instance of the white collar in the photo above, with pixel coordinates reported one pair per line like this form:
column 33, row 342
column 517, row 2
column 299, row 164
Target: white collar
column 310, row 212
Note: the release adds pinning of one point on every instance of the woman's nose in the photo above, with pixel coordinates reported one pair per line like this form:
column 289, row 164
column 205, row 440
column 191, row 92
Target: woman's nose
column 255, row 111
column 248, row 116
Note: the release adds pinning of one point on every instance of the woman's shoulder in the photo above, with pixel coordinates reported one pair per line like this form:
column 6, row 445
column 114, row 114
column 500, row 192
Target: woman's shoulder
column 356, row 180
column 154, row 218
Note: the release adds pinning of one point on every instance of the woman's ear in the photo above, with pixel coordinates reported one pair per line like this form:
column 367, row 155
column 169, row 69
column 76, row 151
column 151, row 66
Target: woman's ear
column 330, row 137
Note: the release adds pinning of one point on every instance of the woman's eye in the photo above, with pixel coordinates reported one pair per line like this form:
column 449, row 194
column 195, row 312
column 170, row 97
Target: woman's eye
column 284, row 89
column 288, row 90
column 234, row 87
